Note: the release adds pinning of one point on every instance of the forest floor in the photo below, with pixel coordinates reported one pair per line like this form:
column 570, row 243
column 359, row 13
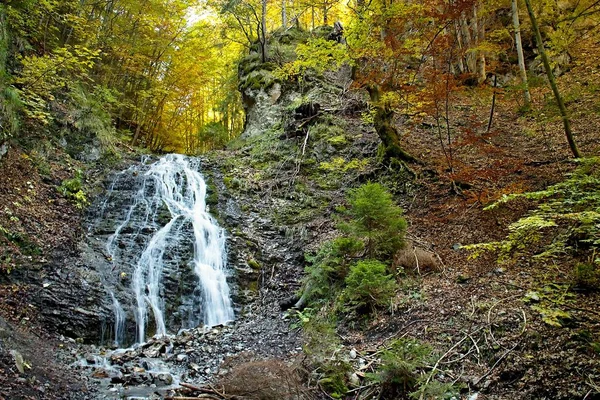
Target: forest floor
column 477, row 309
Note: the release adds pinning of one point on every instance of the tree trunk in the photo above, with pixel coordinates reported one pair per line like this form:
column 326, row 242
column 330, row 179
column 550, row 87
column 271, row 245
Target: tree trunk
column 283, row 14
column 522, row 69
column 468, row 42
column 264, row 31
column 383, row 123
column 460, row 62
column 479, row 35
column 550, row 74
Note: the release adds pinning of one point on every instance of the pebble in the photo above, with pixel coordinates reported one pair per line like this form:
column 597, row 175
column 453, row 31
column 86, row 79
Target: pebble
column 354, row 380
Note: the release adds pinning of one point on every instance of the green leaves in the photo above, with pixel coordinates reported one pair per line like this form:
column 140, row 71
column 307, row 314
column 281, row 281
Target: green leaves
column 375, row 220
column 73, row 189
column 41, row 77
column 317, row 55
column 402, row 372
column 549, row 301
column 552, row 316
column 369, row 285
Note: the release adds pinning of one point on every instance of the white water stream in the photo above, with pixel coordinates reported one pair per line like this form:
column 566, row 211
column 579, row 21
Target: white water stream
column 172, row 183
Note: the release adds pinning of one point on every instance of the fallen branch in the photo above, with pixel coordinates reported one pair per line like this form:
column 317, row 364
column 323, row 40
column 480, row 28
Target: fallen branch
column 358, row 389
column 496, row 363
column 416, row 260
column 206, row 393
column 489, row 318
column 202, row 396
column 190, row 386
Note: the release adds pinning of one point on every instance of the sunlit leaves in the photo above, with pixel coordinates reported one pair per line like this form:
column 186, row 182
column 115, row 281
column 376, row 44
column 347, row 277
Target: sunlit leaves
column 317, row 55
column 42, row 76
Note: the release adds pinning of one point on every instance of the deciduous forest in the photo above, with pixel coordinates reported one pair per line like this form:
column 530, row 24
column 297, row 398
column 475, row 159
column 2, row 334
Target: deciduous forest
column 368, row 199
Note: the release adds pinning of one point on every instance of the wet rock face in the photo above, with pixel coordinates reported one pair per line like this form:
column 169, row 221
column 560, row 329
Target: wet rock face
column 267, row 258
column 160, row 248
column 84, row 286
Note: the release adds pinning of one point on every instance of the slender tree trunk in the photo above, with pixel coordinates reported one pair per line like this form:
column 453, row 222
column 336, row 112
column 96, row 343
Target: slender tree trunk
column 264, row 31
column 559, row 100
column 489, row 126
column 136, row 136
column 460, row 62
column 479, row 35
column 468, row 42
column 522, row 69
column 283, row 14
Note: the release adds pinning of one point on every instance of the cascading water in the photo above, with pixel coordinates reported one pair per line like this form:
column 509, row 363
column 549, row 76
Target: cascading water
column 166, row 216
column 120, row 317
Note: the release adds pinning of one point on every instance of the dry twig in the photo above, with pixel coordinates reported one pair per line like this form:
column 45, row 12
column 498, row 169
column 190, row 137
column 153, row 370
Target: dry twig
column 497, row 363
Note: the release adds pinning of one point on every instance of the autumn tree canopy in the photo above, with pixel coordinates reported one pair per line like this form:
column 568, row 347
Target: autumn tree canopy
column 163, row 73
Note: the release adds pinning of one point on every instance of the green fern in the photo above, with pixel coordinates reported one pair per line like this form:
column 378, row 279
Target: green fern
column 565, row 220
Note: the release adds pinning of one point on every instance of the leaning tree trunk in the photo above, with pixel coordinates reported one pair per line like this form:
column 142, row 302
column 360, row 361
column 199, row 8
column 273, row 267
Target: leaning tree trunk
column 383, row 122
column 550, row 74
column 522, row 69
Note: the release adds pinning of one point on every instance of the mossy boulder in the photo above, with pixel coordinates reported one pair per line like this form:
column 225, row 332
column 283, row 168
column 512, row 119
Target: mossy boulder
column 256, row 80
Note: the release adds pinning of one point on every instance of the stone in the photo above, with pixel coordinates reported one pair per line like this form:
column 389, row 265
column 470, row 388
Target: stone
column 155, row 350
column 165, row 378
column 90, row 359
column 100, row 373
column 354, row 380
column 116, row 377
column 139, row 378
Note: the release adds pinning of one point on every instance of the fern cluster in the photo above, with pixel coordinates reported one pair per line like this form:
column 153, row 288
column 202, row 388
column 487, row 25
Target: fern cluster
column 565, row 220
column 73, row 189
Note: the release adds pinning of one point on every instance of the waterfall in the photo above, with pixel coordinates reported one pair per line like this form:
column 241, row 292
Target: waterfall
column 166, row 215
column 119, row 320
